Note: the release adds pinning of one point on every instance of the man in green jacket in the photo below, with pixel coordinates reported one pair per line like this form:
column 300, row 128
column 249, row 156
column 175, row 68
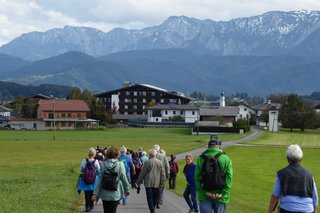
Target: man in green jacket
column 216, row 199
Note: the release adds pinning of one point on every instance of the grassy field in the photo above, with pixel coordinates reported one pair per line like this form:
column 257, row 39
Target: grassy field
column 39, row 174
column 255, row 168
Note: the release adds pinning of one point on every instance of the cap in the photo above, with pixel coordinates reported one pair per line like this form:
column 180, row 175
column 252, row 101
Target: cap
column 214, row 142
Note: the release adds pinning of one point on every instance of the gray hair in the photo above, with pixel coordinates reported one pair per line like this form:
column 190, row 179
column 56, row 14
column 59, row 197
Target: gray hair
column 143, row 153
column 152, row 153
column 162, row 152
column 157, row 147
column 294, row 153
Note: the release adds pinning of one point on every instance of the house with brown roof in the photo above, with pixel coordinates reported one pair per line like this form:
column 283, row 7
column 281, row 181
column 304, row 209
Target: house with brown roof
column 64, row 114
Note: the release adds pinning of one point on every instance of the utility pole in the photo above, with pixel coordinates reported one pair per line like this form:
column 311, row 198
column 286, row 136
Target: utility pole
column 54, row 121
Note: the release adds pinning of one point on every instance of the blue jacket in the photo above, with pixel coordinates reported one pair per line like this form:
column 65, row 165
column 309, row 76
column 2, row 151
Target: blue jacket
column 189, row 174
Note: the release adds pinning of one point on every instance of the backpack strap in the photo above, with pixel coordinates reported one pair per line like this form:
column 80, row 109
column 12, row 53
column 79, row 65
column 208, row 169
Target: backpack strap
column 218, row 155
column 204, row 156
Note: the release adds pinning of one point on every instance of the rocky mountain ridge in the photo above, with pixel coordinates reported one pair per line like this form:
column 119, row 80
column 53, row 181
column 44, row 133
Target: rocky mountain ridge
column 272, row 33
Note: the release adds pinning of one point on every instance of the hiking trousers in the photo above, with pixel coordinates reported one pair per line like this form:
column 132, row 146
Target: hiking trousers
column 88, row 201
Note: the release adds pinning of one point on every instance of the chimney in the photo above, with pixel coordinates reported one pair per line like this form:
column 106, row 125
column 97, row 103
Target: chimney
column 222, row 100
column 126, row 84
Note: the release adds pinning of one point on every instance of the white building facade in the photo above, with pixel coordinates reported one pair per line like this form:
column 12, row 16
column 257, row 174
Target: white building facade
column 169, row 112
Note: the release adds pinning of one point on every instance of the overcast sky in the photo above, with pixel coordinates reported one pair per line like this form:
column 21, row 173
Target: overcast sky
column 22, row 16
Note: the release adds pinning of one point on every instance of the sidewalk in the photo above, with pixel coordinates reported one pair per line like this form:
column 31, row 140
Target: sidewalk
column 138, row 204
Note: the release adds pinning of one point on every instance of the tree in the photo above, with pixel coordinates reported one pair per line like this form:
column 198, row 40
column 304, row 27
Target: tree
column 75, row 93
column 29, row 108
column 292, row 112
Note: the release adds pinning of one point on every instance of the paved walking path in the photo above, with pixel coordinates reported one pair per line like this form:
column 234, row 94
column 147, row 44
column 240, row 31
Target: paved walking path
column 172, row 203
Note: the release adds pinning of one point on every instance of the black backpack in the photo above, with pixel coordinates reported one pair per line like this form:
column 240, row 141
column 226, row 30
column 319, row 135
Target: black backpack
column 110, row 179
column 212, row 176
column 90, row 172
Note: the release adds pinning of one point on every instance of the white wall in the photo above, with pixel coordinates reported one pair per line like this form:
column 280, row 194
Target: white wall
column 7, row 114
column 18, row 125
column 115, row 102
column 187, row 115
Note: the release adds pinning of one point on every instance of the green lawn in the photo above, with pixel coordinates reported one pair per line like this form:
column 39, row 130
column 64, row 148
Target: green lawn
column 284, row 137
column 39, row 174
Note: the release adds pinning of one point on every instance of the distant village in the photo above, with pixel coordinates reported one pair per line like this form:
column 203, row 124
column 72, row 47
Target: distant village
column 144, row 105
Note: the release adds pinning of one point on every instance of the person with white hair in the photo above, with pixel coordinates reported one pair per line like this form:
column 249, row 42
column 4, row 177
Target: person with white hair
column 294, row 186
column 153, row 176
column 144, row 157
column 161, row 155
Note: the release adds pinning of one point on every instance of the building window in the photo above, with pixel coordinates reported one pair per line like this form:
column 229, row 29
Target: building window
column 126, row 106
column 135, row 100
column 78, row 115
column 135, row 93
column 181, row 112
column 144, row 100
column 127, row 100
column 50, row 115
column 193, row 113
column 153, row 94
column 127, row 93
column 161, row 100
column 135, row 107
column 245, row 109
column 174, row 112
column 143, row 107
column 63, row 123
column 63, row 115
column 166, row 112
column 69, row 115
column 144, row 93
column 69, row 124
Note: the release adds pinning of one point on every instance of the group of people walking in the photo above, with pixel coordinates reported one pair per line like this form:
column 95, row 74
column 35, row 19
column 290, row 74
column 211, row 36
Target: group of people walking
column 294, row 187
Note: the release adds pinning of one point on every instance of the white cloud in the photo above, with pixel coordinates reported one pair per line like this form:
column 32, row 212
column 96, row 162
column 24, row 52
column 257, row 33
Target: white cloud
column 24, row 16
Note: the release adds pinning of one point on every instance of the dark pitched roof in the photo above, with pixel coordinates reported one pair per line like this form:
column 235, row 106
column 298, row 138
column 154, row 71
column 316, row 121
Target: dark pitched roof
column 174, row 107
column 267, row 106
column 63, row 105
column 147, row 87
column 5, row 109
column 219, row 111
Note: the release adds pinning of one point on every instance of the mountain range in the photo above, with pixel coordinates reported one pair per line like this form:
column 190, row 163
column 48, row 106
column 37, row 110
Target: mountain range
column 269, row 53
